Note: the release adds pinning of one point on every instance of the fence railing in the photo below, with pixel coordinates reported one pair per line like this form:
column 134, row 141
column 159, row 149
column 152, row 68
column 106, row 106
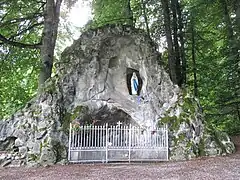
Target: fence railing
column 117, row 143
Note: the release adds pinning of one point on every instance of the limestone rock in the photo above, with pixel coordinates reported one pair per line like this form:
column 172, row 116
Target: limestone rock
column 6, row 163
column 47, row 157
column 93, row 86
column 15, row 163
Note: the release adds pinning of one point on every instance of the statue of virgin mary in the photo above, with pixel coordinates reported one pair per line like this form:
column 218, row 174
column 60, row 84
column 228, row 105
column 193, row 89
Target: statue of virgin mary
column 134, row 84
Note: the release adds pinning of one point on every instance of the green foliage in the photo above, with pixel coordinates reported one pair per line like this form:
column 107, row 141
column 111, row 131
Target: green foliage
column 20, row 22
column 217, row 73
column 20, row 29
column 111, row 12
column 18, row 79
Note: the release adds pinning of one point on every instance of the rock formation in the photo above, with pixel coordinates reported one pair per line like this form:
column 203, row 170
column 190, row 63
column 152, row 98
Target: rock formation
column 93, row 85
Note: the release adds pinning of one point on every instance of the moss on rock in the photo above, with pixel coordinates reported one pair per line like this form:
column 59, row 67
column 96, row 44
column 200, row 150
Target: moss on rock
column 182, row 120
column 78, row 114
column 201, row 148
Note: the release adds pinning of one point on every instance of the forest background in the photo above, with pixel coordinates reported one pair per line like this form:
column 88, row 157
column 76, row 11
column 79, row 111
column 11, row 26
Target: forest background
column 199, row 42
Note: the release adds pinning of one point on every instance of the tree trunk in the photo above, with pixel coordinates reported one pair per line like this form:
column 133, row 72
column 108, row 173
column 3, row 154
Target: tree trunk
column 238, row 112
column 145, row 16
column 237, row 12
column 182, row 43
column 195, row 85
column 129, row 13
column 51, row 21
column 233, row 54
column 227, row 20
column 167, row 25
column 175, row 40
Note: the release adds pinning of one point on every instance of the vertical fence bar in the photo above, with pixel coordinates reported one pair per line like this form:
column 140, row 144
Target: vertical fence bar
column 78, row 134
column 166, row 130
column 77, row 143
column 106, row 142
column 161, row 137
column 129, row 141
column 87, row 135
column 69, row 142
column 91, row 136
column 102, row 129
column 81, row 137
column 95, row 134
column 100, row 137
column 126, row 137
column 97, row 137
column 84, row 139
column 118, row 135
column 121, row 129
column 110, row 136
column 74, row 138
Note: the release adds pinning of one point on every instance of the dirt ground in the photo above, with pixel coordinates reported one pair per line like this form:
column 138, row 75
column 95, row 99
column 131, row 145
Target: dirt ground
column 214, row 168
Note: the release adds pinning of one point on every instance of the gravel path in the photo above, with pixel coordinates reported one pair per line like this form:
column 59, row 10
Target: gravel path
column 218, row 168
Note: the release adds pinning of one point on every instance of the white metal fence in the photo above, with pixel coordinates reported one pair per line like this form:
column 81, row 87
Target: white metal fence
column 117, row 143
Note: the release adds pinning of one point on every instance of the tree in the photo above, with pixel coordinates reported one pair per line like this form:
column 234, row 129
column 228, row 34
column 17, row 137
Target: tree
column 27, row 40
column 176, row 41
column 49, row 37
column 171, row 58
column 111, row 12
column 215, row 38
column 144, row 12
column 20, row 34
column 171, row 14
column 193, row 51
column 233, row 60
column 37, row 16
column 183, row 62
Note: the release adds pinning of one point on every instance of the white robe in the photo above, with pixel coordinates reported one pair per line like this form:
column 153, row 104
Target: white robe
column 134, row 84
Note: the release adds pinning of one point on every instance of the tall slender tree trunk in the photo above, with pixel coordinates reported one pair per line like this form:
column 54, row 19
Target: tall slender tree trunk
column 175, row 41
column 167, row 25
column 237, row 12
column 238, row 112
column 129, row 13
column 51, row 21
column 182, row 43
column 195, row 84
column 145, row 16
column 233, row 56
column 227, row 19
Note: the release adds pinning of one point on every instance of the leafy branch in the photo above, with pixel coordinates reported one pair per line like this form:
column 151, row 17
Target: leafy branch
column 19, row 44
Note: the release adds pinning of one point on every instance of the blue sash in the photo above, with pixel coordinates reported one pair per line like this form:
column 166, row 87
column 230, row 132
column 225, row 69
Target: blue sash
column 135, row 84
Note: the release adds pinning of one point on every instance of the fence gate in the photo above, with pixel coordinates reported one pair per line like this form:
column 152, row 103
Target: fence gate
column 117, row 143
